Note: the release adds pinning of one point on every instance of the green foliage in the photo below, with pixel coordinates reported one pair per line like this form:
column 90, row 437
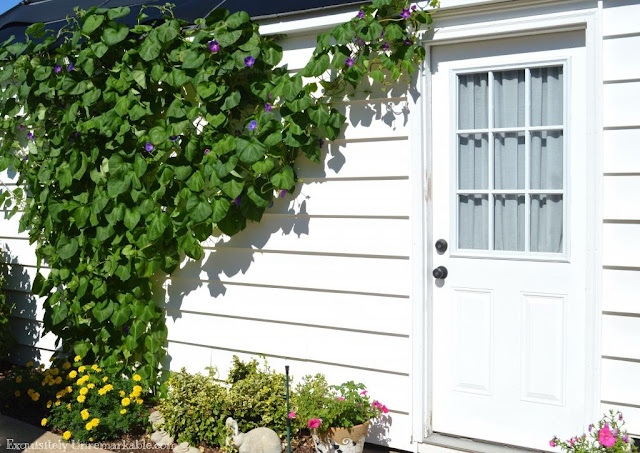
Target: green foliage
column 135, row 144
column 6, row 340
column 195, row 408
column 333, row 406
column 96, row 406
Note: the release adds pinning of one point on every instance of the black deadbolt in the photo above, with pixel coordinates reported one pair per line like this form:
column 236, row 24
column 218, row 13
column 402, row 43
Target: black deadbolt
column 440, row 272
column 441, row 245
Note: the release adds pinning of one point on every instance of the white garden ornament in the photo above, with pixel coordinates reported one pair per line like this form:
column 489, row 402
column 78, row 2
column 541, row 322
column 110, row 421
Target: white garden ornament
column 258, row 440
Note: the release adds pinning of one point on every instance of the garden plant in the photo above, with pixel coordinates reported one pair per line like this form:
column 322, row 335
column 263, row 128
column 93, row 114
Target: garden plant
column 608, row 435
column 134, row 144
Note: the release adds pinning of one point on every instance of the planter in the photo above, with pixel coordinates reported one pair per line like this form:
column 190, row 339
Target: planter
column 340, row 440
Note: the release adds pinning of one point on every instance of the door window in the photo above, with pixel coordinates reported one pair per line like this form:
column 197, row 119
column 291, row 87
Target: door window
column 511, row 188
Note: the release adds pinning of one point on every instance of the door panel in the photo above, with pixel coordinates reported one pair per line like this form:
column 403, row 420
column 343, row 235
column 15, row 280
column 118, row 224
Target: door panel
column 508, row 174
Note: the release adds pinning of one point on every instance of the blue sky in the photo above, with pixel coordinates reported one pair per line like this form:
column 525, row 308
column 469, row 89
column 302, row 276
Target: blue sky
column 6, row 4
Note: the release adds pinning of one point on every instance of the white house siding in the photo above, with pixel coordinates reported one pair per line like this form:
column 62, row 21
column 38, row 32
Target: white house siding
column 621, row 209
column 321, row 284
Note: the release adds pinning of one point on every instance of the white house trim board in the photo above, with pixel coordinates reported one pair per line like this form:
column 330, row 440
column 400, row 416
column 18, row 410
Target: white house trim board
column 587, row 19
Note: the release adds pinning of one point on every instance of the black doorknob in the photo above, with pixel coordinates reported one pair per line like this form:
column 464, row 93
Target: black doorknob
column 441, row 245
column 440, row 272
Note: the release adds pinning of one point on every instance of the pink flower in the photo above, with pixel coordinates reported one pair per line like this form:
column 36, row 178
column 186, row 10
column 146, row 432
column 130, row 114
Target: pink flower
column 341, row 398
column 363, row 393
column 314, row 423
column 376, row 403
column 605, row 437
column 292, row 414
column 384, row 409
column 552, row 442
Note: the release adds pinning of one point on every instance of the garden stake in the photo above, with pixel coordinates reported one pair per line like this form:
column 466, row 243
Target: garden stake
column 286, row 372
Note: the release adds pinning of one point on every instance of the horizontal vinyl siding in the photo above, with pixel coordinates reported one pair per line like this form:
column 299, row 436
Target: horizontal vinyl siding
column 621, row 210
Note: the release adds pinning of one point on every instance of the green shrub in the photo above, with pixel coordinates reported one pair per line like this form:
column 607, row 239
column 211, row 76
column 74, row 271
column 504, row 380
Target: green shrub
column 95, row 406
column 6, row 340
column 257, row 396
column 195, row 408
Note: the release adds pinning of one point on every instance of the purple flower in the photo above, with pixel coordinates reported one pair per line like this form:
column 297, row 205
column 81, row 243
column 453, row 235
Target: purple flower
column 148, row 147
column 360, row 42
column 615, row 433
column 207, row 151
column 125, row 329
column 30, row 135
column 26, row 157
column 620, row 417
column 382, row 34
column 21, row 127
column 590, row 427
column 267, row 107
column 405, row 13
column 71, row 67
column 349, row 62
column 252, row 125
column 408, row 42
column 320, row 142
column 57, row 68
column 249, row 61
column 174, row 138
column 360, row 14
column 414, row 7
column 237, row 201
column 625, row 439
column 283, row 192
column 385, row 46
column 214, row 46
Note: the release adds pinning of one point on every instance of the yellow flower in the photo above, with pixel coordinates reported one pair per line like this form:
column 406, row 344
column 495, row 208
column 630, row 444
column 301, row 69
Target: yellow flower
column 84, row 414
column 73, row 374
column 99, row 370
column 43, row 422
column 57, row 403
column 69, row 389
column 102, row 392
column 35, row 396
column 84, row 391
column 137, row 389
column 58, row 380
column 77, row 358
column 82, row 368
column 108, row 387
column 55, row 371
column 66, row 435
column 139, row 401
column 81, row 398
column 88, row 426
column 49, row 403
column 29, row 364
column 90, row 439
column 94, row 367
column 95, row 422
column 17, row 393
column 19, row 379
column 105, row 379
column 123, row 411
column 68, row 406
column 122, row 393
column 66, row 366
column 30, row 392
column 125, row 402
column 137, row 378
column 91, row 386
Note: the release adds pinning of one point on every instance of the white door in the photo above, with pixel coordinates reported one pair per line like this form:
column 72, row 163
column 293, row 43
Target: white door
column 508, row 197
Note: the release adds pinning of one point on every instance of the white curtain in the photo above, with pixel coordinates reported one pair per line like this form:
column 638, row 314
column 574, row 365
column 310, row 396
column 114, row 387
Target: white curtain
column 546, row 161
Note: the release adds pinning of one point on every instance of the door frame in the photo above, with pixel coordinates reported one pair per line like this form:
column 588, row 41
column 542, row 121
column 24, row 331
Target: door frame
column 467, row 25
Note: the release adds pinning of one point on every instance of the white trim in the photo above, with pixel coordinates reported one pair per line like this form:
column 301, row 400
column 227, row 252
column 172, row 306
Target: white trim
column 422, row 150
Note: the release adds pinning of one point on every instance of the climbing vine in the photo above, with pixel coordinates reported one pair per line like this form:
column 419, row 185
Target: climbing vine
column 134, row 143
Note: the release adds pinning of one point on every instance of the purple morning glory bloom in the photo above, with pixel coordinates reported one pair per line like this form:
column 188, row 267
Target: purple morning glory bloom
column 30, row 135
column 174, row 138
column 283, row 192
column 625, row 439
column 382, row 34
column 21, row 127
column 405, row 13
column 148, row 147
column 360, row 14
column 360, row 42
column 71, row 67
column 414, row 7
column 385, row 46
column 408, row 42
column 267, row 107
column 57, row 68
column 349, row 62
column 207, row 151
column 237, row 201
column 249, row 61
column 26, row 157
column 214, row 46
column 252, row 125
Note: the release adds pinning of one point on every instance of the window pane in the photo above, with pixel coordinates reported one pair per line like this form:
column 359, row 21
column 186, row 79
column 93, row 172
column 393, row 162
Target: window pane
column 473, row 222
column 473, row 161
column 546, row 160
column 509, row 222
column 472, row 101
column 546, row 223
column 546, row 96
column 509, row 161
column 508, row 99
